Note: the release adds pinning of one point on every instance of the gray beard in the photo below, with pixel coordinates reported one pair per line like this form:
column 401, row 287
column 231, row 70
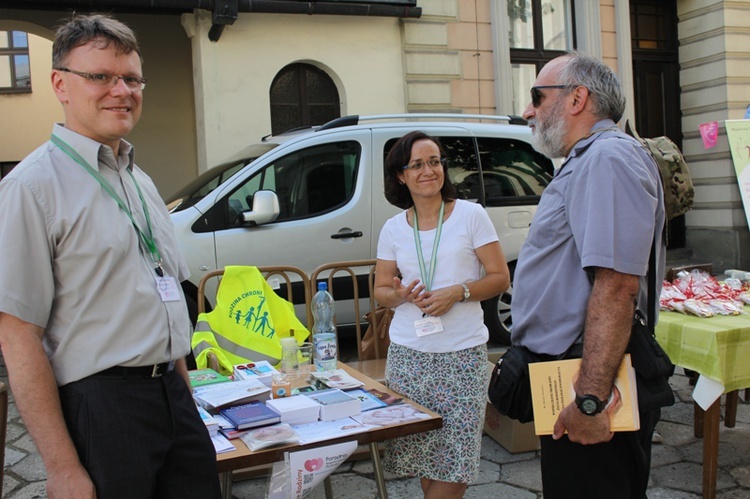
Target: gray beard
column 549, row 135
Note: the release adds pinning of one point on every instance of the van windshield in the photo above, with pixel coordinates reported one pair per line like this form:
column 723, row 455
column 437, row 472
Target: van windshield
column 203, row 185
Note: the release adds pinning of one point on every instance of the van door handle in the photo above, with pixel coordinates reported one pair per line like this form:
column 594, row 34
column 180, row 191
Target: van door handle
column 345, row 235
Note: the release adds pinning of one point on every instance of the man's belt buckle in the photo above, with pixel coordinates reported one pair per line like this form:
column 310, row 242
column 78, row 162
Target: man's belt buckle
column 160, row 370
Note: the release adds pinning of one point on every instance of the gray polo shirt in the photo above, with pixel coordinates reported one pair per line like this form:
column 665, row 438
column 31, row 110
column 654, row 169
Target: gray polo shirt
column 73, row 264
column 602, row 209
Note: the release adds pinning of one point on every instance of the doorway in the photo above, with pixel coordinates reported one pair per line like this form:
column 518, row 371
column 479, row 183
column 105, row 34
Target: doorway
column 656, row 74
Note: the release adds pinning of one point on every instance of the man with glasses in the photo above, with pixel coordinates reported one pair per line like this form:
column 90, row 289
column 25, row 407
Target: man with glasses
column 93, row 323
column 582, row 269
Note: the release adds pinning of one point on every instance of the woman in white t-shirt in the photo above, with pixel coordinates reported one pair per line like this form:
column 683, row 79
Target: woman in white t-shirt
column 429, row 268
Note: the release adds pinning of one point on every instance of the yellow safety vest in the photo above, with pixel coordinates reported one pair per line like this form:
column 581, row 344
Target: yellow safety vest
column 247, row 324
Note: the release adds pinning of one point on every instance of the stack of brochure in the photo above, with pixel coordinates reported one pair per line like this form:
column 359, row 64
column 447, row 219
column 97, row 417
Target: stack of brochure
column 335, row 404
column 212, row 424
column 297, row 409
column 261, row 370
column 220, row 395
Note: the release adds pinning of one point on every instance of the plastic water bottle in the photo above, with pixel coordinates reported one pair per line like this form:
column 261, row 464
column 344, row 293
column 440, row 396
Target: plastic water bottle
column 325, row 342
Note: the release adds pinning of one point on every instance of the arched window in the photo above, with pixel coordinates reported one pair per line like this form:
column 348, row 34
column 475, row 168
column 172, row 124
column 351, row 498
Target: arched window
column 302, row 95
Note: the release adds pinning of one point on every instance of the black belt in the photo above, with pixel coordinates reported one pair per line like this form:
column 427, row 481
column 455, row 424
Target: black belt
column 154, row 371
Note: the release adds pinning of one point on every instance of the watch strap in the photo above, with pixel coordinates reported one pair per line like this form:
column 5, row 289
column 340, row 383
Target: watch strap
column 467, row 293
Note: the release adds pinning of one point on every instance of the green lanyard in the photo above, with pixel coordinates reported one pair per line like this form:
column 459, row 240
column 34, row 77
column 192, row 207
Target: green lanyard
column 427, row 279
column 148, row 239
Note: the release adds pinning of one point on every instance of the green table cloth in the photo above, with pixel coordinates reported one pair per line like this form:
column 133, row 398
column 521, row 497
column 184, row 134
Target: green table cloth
column 717, row 347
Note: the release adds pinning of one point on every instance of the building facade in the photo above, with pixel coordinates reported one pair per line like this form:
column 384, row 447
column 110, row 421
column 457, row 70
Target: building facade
column 211, row 92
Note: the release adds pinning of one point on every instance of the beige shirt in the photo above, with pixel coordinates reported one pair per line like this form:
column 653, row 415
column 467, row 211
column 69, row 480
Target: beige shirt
column 73, row 263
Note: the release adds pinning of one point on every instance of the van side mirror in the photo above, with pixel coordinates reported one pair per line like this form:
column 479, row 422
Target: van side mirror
column 265, row 209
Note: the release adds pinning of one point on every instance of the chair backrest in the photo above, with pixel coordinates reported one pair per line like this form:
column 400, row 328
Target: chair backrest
column 330, row 271
column 292, row 277
column 3, row 429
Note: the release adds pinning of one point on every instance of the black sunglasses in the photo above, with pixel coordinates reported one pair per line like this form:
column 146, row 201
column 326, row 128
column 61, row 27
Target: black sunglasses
column 536, row 95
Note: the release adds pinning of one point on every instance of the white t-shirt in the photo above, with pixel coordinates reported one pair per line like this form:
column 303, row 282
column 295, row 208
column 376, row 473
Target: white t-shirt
column 468, row 227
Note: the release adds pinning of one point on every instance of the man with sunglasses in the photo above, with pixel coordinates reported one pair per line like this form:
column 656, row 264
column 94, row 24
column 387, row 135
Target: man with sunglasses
column 93, row 323
column 582, row 269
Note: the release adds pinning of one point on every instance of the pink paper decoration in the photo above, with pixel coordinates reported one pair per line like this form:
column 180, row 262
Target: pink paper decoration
column 709, row 133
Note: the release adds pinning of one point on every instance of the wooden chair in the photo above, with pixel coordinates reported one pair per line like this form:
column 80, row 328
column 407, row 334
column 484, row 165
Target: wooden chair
column 3, row 429
column 290, row 276
column 374, row 369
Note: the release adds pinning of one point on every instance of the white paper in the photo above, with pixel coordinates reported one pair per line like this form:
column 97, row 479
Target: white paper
column 707, row 391
column 324, row 430
column 393, row 414
column 222, row 444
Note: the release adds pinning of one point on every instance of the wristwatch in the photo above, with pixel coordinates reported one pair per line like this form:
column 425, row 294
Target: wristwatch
column 467, row 293
column 590, row 405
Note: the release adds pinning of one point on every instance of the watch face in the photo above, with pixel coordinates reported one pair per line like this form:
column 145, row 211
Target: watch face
column 589, row 406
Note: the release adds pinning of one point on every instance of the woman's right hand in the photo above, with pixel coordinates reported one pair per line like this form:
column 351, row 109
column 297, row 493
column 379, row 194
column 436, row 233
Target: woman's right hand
column 407, row 293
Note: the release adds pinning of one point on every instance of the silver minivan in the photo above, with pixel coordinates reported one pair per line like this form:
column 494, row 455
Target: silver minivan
column 315, row 196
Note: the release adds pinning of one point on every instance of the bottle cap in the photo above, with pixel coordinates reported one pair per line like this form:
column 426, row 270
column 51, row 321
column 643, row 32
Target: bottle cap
column 322, row 286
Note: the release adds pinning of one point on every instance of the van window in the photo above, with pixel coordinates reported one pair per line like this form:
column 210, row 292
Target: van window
column 508, row 171
column 308, row 182
column 512, row 169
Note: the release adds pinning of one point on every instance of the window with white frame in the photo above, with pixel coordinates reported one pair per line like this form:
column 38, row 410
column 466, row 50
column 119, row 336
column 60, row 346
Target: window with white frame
column 539, row 31
column 15, row 68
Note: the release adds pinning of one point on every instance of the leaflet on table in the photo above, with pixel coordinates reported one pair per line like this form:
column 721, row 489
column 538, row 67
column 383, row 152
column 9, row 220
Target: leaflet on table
column 269, row 436
column 386, row 398
column 216, row 396
column 222, row 444
column 303, row 470
column 337, row 378
column 391, row 415
column 369, row 400
column 261, row 369
column 325, row 430
column 202, row 377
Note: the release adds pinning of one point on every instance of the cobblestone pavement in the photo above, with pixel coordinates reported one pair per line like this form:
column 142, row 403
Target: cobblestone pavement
column 676, row 470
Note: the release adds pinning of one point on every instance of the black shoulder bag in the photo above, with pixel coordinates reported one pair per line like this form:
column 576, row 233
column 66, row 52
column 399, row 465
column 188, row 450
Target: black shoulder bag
column 651, row 363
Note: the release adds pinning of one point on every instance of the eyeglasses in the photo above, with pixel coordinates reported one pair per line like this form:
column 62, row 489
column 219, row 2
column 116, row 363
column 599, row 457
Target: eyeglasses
column 432, row 163
column 106, row 80
column 536, row 95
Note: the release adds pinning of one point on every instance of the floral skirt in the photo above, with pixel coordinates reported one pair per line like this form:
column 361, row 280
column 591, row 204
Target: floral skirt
column 454, row 385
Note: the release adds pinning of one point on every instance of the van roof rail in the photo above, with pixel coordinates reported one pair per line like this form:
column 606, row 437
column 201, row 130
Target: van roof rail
column 356, row 119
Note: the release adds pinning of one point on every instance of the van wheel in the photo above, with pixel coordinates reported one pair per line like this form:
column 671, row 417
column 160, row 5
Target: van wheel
column 497, row 315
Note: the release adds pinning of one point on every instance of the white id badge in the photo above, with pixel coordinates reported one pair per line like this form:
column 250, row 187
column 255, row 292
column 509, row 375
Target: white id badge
column 167, row 288
column 428, row 325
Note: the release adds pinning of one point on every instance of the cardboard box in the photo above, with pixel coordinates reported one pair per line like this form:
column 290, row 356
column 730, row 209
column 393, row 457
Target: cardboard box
column 513, row 436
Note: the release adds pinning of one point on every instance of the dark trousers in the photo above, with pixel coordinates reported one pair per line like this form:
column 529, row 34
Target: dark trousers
column 617, row 469
column 141, row 438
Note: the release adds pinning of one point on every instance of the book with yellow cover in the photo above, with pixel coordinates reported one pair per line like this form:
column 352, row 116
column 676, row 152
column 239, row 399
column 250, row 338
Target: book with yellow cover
column 552, row 390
